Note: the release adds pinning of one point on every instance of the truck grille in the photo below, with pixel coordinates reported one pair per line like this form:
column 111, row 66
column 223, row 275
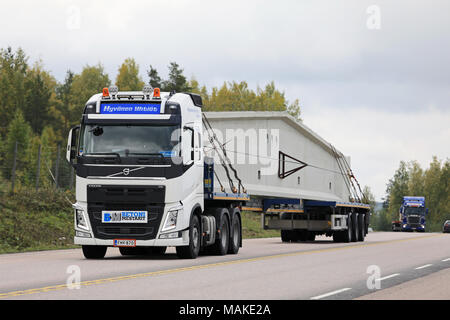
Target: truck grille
column 413, row 220
column 127, row 198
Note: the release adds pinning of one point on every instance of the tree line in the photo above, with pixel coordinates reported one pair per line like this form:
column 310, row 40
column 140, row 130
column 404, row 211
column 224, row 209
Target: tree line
column 410, row 179
column 36, row 109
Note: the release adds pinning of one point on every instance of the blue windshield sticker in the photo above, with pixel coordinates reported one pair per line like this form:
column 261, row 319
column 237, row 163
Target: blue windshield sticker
column 130, row 108
column 168, row 153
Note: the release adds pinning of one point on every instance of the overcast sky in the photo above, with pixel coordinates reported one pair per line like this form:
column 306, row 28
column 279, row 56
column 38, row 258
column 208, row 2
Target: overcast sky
column 373, row 77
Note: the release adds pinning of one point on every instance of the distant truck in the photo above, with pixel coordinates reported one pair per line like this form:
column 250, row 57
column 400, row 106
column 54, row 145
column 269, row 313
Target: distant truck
column 411, row 215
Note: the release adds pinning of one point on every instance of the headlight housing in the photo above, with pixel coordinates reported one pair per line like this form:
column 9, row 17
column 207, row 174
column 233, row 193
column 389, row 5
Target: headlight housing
column 80, row 220
column 171, row 220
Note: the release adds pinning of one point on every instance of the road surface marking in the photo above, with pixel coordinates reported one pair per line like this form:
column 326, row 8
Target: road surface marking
column 204, row 266
column 388, row 277
column 330, row 294
column 445, row 260
column 423, row 267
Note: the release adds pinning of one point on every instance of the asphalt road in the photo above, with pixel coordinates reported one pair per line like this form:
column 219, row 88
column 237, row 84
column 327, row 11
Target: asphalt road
column 263, row 269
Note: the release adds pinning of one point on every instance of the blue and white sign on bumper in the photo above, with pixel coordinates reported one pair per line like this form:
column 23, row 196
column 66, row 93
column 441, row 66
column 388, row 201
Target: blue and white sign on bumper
column 124, row 216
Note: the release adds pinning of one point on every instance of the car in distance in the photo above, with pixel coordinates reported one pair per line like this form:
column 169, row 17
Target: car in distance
column 446, row 227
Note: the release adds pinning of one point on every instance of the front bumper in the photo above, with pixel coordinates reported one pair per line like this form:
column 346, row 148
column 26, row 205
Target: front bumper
column 182, row 241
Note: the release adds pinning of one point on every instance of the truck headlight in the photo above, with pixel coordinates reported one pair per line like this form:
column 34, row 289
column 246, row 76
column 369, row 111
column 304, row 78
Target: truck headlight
column 171, row 220
column 80, row 219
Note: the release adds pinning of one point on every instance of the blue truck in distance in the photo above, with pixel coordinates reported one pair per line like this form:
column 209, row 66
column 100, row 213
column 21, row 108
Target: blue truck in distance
column 412, row 215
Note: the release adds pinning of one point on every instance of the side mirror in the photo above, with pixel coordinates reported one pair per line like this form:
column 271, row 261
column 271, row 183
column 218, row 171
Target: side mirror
column 72, row 144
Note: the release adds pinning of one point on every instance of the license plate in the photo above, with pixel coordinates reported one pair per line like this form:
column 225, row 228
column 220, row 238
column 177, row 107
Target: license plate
column 124, row 216
column 124, row 243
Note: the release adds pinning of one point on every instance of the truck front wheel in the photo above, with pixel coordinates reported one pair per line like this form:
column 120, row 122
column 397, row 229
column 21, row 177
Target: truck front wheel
column 94, row 252
column 191, row 251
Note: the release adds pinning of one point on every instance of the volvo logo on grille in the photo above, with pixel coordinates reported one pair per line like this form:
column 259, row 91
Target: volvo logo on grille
column 125, row 172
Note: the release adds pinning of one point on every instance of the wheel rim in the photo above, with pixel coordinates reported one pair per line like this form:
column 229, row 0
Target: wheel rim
column 235, row 233
column 195, row 237
column 224, row 234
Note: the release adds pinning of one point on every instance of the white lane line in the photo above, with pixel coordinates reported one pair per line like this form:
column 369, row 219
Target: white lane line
column 388, row 277
column 448, row 259
column 423, row 267
column 330, row 294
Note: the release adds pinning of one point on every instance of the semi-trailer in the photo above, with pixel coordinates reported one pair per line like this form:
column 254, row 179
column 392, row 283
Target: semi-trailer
column 153, row 171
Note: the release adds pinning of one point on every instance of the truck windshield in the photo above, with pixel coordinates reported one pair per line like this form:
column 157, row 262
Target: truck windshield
column 415, row 210
column 130, row 140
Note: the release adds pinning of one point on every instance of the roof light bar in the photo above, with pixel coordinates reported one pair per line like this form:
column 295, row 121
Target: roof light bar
column 156, row 93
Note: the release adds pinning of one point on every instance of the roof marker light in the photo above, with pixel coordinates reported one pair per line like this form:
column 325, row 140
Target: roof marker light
column 113, row 89
column 147, row 89
column 156, row 93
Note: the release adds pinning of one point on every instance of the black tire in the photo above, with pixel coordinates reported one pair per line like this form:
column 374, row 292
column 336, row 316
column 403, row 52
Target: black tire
column 355, row 226
column 347, row 235
column 286, row 235
column 94, row 252
column 337, row 236
column 191, row 251
column 235, row 235
column 361, row 227
column 301, row 235
column 220, row 247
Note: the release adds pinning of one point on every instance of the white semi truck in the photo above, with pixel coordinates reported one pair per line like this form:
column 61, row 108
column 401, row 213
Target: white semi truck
column 144, row 182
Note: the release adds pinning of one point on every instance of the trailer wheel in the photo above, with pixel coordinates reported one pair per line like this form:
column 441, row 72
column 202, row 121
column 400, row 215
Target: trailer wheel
column 94, row 252
column 311, row 236
column 337, row 236
column 220, row 247
column 235, row 233
column 355, row 227
column 346, row 235
column 301, row 235
column 191, row 251
column 361, row 227
column 286, row 235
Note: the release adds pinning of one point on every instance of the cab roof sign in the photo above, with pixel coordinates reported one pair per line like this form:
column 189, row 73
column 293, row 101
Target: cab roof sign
column 129, row 108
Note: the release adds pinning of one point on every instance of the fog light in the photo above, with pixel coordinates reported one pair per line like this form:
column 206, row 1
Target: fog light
column 82, row 234
column 171, row 235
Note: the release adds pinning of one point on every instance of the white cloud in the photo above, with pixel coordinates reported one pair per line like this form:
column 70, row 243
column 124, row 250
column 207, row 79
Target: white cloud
column 377, row 140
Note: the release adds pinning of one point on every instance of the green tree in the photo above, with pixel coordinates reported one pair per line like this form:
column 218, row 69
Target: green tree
column 154, row 79
column 91, row 81
column 397, row 188
column 128, row 78
column 13, row 72
column 176, row 81
column 63, row 107
column 416, row 179
column 295, row 110
column 37, row 100
column 18, row 131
